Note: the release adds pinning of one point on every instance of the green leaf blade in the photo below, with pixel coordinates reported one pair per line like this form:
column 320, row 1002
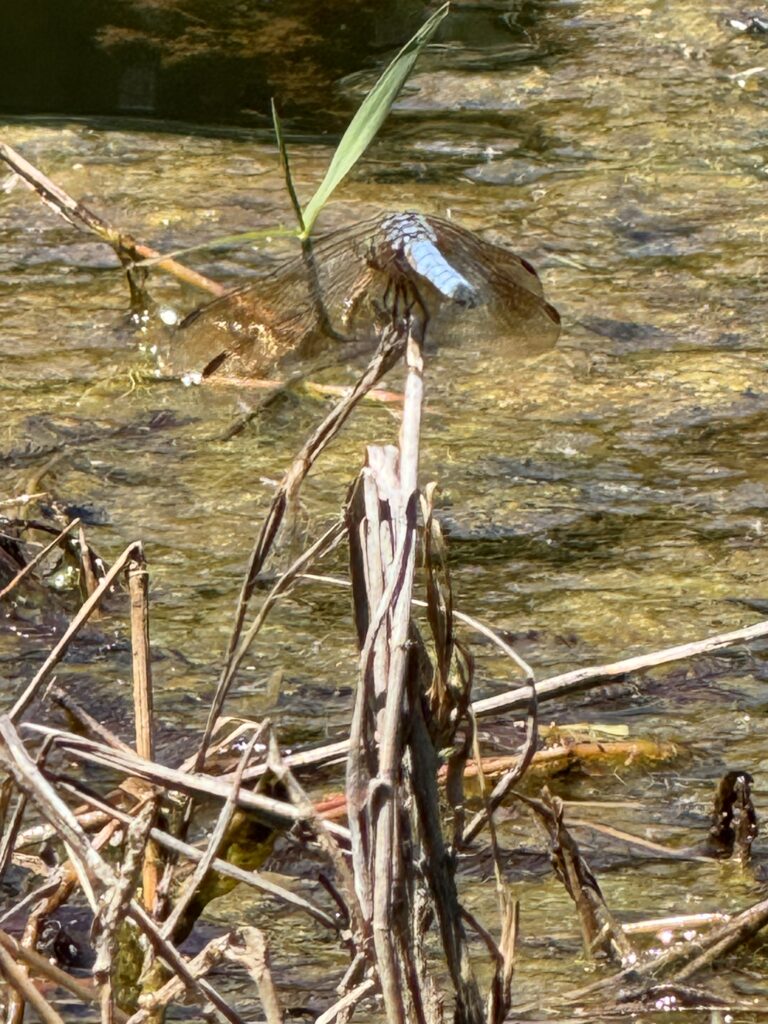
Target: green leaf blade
column 369, row 118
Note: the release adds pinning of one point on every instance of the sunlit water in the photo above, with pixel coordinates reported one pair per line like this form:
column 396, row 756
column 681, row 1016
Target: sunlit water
column 607, row 500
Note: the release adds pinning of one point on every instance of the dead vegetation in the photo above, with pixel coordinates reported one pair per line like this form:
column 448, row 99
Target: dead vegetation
column 392, row 905
column 389, row 848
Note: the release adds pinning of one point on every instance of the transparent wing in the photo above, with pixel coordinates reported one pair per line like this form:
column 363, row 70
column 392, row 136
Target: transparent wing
column 294, row 311
column 334, row 291
column 513, row 312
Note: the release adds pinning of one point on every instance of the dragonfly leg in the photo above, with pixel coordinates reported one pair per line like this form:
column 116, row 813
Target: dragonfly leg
column 411, row 312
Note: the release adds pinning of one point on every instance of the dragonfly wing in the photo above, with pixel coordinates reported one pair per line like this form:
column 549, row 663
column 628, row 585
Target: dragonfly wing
column 513, row 311
column 292, row 312
column 338, row 288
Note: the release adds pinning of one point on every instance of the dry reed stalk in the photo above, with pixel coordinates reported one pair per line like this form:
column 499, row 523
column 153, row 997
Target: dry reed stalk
column 500, row 994
column 268, row 810
column 600, row 929
column 347, row 1003
column 88, row 722
column 174, row 990
column 114, row 906
column 58, row 652
column 392, row 796
column 192, row 853
column 92, row 871
column 11, row 832
column 20, row 501
column 387, row 353
column 387, row 873
column 42, row 966
column 203, row 866
column 349, row 905
column 555, row 687
column 25, row 992
column 323, row 545
column 681, row 962
column 126, row 247
column 514, row 773
column 143, row 706
column 583, row 678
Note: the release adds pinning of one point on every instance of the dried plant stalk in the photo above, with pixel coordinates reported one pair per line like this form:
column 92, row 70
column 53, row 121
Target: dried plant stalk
column 127, row 248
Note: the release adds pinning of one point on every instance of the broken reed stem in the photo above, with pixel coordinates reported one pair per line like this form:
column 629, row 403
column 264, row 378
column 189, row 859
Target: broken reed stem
column 33, row 562
column 138, row 585
column 58, row 652
column 387, row 802
column 127, row 248
column 347, row 1003
column 685, row 960
column 21, row 500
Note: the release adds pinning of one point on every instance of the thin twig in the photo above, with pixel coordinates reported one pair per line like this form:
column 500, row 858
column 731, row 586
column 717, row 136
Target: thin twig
column 58, row 652
column 503, row 786
column 25, row 989
column 324, row 544
column 192, row 885
column 37, row 559
column 386, row 355
column 192, row 853
column 568, row 682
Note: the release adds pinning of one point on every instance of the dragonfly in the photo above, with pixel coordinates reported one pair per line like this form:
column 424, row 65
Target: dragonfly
column 343, row 287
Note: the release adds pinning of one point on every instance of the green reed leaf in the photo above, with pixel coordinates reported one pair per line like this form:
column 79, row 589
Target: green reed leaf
column 370, row 116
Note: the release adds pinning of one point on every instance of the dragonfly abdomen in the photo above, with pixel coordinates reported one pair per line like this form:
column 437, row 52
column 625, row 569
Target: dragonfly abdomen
column 425, row 258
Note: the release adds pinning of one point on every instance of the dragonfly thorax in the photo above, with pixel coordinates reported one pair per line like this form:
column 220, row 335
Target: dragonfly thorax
column 409, row 244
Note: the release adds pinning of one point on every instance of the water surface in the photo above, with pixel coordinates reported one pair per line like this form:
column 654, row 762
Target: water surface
column 606, row 500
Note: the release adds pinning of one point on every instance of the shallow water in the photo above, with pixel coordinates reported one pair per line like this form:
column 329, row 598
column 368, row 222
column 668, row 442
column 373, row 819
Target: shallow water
column 606, row 500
